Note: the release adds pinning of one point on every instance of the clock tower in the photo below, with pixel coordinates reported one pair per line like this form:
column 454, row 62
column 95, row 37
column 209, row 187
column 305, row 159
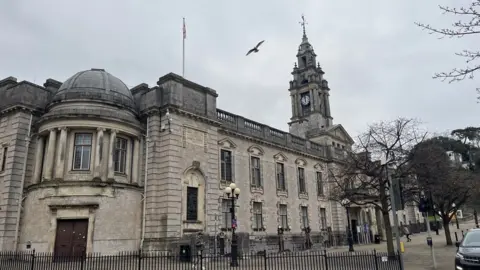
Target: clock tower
column 309, row 92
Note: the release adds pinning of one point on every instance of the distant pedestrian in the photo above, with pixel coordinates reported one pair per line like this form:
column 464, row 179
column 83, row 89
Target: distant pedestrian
column 406, row 231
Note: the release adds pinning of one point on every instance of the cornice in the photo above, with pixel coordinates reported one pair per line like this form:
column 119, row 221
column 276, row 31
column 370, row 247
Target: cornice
column 177, row 78
column 177, row 110
column 54, row 184
column 51, row 118
column 197, row 117
column 14, row 108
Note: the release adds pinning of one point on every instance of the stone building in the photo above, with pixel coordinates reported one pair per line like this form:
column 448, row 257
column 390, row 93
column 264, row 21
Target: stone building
column 89, row 165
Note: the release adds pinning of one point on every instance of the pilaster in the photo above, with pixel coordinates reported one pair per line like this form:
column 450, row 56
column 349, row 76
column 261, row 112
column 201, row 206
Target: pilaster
column 293, row 107
column 60, row 156
column 111, row 149
column 135, row 162
column 98, row 166
column 50, row 157
column 39, row 152
column 153, row 214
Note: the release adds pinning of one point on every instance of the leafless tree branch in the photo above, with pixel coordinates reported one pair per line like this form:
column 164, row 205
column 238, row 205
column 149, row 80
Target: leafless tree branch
column 363, row 177
column 467, row 25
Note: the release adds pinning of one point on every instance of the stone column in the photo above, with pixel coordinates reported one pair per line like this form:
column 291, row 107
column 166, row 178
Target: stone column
column 128, row 161
column 298, row 106
column 327, row 109
column 60, row 159
column 50, row 157
column 293, row 106
column 319, row 103
column 98, row 168
column 136, row 159
column 113, row 137
column 37, row 173
column 312, row 101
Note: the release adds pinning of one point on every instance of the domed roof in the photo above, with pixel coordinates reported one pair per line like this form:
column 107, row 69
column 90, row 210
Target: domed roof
column 95, row 84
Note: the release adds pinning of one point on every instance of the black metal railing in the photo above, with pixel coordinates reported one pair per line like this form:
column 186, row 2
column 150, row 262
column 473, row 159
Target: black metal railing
column 323, row 260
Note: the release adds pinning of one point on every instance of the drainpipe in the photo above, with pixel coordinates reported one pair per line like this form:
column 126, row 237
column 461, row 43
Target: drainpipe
column 147, row 140
column 22, row 184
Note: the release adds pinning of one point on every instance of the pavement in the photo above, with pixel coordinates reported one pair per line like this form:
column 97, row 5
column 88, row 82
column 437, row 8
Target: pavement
column 417, row 255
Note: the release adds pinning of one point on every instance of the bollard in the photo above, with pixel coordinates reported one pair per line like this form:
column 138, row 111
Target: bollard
column 456, row 237
column 463, row 234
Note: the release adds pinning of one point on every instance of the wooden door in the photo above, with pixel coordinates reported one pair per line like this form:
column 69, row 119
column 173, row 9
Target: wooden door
column 71, row 238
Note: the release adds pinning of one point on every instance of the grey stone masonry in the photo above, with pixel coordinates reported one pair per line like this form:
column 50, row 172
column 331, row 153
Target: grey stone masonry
column 178, row 152
column 13, row 140
column 177, row 92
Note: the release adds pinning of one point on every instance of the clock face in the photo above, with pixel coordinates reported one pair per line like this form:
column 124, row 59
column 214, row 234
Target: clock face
column 305, row 100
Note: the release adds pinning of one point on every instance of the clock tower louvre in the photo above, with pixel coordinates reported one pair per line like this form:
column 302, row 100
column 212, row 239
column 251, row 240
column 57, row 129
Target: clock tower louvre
column 309, row 92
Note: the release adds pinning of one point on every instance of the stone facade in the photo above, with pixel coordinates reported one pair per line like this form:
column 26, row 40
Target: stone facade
column 126, row 162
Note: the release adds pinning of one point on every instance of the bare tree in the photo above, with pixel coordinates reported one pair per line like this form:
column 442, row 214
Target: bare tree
column 448, row 184
column 468, row 24
column 363, row 177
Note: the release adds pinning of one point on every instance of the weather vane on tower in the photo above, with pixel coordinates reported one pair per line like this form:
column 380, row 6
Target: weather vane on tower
column 303, row 23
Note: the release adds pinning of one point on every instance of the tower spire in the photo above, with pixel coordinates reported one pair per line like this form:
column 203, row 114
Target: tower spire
column 303, row 23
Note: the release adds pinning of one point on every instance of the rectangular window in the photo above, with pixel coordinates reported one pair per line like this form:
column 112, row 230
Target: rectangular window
column 281, row 177
column 304, row 217
column 257, row 216
column 4, row 159
column 226, row 214
column 120, row 155
column 283, row 216
column 320, row 191
column 323, row 219
column 82, row 151
column 302, row 188
column 192, row 203
column 226, row 165
column 256, row 172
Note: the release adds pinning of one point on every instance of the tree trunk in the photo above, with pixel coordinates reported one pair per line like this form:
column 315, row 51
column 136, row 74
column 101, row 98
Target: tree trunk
column 386, row 217
column 388, row 232
column 446, row 228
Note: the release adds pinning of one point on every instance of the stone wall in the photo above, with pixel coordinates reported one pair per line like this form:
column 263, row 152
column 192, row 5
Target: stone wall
column 112, row 211
column 14, row 128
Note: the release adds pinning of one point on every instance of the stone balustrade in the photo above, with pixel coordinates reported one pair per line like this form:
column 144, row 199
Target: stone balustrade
column 257, row 130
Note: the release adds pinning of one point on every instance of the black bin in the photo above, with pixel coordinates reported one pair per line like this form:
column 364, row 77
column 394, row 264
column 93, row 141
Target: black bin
column 185, row 253
column 377, row 239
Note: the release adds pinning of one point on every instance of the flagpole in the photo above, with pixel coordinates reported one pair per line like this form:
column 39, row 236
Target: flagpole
column 183, row 48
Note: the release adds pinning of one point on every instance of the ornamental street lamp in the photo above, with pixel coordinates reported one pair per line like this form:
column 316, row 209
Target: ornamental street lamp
column 308, row 242
column 346, row 203
column 232, row 193
column 456, row 216
column 280, row 239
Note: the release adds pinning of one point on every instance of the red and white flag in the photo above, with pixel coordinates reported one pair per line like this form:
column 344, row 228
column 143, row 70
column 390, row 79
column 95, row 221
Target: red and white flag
column 184, row 29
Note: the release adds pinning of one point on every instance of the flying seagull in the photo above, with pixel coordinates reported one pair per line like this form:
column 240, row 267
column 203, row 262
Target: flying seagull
column 255, row 49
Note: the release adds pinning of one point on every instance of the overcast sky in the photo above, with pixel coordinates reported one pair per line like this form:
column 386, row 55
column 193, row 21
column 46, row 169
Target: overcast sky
column 378, row 63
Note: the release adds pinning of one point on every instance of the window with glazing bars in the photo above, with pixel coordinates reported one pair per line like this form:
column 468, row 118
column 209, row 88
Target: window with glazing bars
column 82, row 151
column 120, row 155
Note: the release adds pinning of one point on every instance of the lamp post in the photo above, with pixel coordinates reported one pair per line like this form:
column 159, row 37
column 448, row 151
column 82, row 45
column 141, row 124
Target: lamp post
column 308, row 242
column 456, row 217
column 280, row 238
column 232, row 193
column 346, row 204
column 475, row 217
